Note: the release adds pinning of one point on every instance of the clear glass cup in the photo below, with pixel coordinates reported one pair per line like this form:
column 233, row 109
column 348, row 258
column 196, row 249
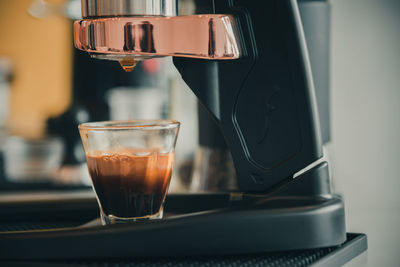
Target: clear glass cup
column 130, row 165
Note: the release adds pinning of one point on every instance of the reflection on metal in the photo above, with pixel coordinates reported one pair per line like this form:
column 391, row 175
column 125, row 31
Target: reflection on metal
column 107, row 8
column 197, row 36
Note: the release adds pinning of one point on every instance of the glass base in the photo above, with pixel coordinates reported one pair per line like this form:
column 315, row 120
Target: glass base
column 111, row 219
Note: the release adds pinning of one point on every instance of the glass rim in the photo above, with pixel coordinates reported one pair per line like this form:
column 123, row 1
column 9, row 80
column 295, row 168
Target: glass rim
column 129, row 125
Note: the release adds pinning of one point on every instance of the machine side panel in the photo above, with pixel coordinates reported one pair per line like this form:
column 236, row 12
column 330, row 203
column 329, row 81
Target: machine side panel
column 267, row 108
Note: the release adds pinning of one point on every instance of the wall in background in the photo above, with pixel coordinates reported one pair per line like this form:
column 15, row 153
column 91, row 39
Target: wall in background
column 365, row 95
column 40, row 50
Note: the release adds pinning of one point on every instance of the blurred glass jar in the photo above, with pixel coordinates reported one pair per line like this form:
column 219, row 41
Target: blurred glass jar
column 213, row 169
column 32, row 160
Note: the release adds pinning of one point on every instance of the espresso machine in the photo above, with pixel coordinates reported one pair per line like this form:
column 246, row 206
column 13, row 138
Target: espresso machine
column 248, row 64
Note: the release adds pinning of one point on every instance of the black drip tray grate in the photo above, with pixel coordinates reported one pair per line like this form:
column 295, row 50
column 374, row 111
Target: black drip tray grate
column 25, row 226
column 332, row 256
column 292, row 259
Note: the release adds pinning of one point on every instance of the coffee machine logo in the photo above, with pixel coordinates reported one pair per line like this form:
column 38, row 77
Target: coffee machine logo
column 269, row 110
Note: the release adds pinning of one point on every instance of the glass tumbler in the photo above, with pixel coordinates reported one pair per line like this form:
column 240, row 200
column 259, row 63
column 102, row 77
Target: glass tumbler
column 130, row 165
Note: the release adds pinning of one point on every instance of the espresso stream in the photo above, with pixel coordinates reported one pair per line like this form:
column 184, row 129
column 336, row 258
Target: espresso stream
column 132, row 183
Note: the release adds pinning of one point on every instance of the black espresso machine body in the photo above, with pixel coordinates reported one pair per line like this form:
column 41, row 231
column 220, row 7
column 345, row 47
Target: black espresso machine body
column 264, row 102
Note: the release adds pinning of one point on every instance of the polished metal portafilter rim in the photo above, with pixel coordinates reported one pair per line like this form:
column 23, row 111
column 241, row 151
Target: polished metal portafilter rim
column 108, row 8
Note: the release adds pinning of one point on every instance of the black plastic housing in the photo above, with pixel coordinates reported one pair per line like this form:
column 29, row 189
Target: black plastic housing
column 265, row 103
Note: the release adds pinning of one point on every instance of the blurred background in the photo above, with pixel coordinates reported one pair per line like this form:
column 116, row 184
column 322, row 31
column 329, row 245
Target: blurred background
column 365, row 113
column 47, row 88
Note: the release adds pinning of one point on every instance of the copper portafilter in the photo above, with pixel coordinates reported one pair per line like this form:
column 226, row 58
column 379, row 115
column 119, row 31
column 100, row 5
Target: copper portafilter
column 131, row 30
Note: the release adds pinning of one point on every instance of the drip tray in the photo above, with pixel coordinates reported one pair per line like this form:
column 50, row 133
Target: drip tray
column 57, row 228
column 331, row 256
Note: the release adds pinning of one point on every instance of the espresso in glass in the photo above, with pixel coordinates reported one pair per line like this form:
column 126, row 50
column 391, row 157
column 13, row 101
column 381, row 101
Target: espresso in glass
column 130, row 164
column 131, row 183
